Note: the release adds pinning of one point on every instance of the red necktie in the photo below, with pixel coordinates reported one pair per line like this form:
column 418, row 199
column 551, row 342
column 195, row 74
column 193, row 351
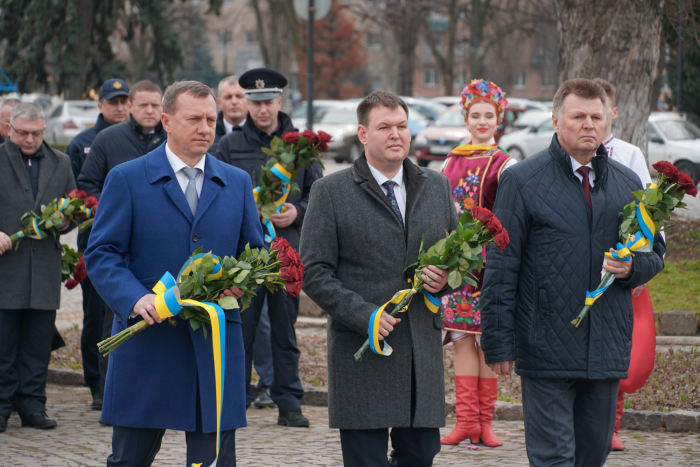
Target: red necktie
column 586, row 184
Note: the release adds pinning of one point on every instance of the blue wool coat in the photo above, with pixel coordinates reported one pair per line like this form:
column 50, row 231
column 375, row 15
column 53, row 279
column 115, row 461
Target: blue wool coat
column 143, row 228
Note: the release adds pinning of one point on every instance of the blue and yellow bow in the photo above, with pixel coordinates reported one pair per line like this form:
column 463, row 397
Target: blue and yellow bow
column 286, row 177
column 169, row 304
column 641, row 241
column 385, row 349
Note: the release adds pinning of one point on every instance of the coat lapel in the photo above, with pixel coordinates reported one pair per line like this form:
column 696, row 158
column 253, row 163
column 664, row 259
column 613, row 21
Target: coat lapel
column 16, row 161
column 210, row 187
column 46, row 170
column 367, row 181
column 158, row 167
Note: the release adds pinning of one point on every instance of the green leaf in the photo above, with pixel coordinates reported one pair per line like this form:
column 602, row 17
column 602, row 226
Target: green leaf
column 440, row 247
column 268, row 210
column 453, row 261
column 233, row 271
column 228, row 303
column 241, row 276
column 625, row 225
column 197, row 251
column 247, row 250
column 652, row 197
column 265, row 256
column 470, row 281
column 195, row 324
column 244, row 265
column 454, row 279
column 267, row 151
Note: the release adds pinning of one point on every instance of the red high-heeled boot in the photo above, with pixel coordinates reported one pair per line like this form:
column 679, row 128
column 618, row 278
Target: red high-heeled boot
column 488, row 393
column 467, row 410
column 616, row 443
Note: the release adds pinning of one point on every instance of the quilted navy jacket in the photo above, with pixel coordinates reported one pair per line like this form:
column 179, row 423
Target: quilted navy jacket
column 533, row 290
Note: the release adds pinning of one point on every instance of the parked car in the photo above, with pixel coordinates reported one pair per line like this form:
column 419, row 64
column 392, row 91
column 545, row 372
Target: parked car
column 341, row 123
column 448, row 100
column 428, row 108
column 68, row 119
column 528, row 104
column 321, row 106
column 531, row 139
column 527, row 119
column 675, row 138
column 436, row 141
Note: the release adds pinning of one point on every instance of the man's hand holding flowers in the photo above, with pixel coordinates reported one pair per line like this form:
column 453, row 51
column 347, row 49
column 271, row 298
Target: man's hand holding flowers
column 5, row 243
column 285, row 218
column 621, row 269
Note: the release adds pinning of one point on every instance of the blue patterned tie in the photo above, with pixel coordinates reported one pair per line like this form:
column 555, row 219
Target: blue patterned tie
column 191, row 190
column 389, row 185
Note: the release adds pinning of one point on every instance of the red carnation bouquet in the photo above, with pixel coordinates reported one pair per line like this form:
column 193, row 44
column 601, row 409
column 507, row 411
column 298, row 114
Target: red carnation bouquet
column 642, row 219
column 287, row 155
column 72, row 267
column 76, row 205
column 280, row 267
column 460, row 253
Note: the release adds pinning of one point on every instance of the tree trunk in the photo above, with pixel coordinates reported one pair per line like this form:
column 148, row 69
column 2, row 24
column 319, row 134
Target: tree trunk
column 405, row 18
column 85, row 11
column 618, row 41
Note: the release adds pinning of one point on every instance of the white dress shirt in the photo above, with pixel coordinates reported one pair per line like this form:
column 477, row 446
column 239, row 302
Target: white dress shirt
column 399, row 191
column 177, row 164
column 229, row 127
column 591, row 175
column 629, row 156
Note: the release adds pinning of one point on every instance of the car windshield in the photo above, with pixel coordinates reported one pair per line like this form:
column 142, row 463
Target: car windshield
column 82, row 108
column 339, row 117
column 450, row 118
column 527, row 119
column 676, row 130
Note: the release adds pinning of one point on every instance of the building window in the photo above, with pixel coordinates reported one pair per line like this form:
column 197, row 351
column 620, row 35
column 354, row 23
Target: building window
column 547, row 80
column 521, row 80
column 431, row 78
column 374, row 40
column 461, row 78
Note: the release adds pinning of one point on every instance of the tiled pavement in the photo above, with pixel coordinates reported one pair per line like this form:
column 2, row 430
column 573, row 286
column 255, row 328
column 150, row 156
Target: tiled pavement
column 81, row 441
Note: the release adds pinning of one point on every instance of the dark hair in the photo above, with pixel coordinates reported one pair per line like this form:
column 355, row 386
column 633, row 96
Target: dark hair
column 375, row 99
column 143, row 86
column 194, row 88
column 609, row 89
column 581, row 87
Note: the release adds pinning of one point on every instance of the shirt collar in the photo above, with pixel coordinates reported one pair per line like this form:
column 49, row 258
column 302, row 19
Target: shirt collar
column 178, row 164
column 608, row 141
column 575, row 164
column 229, row 127
column 380, row 178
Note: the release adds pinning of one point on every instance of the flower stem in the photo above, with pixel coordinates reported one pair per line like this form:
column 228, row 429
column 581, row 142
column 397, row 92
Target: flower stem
column 111, row 344
column 584, row 311
column 399, row 306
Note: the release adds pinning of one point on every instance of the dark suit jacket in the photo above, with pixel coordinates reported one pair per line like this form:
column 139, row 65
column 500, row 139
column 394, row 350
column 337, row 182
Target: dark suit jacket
column 31, row 276
column 355, row 250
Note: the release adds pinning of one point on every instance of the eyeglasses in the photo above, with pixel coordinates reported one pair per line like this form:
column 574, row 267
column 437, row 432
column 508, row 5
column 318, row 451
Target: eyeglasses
column 24, row 134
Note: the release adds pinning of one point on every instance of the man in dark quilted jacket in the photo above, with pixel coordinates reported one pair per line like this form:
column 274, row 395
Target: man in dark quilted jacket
column 561, row 208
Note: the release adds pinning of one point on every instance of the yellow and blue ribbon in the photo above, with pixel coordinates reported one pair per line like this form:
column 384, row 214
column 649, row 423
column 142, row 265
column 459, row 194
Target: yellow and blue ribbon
column 385, row 349
column 641, row 241
column 169, row 304
column 286, row 177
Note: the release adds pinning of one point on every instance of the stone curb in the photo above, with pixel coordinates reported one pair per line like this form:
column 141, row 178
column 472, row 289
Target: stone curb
column 678, row 340
column 66, row 377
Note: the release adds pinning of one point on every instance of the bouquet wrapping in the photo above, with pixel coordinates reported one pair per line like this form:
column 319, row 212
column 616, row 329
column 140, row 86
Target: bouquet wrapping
column 287, row 155
column 460, row 253
column 76, row 205
column 642, row 219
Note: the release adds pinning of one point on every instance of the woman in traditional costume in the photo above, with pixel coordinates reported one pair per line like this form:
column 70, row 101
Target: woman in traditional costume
column 474, row 170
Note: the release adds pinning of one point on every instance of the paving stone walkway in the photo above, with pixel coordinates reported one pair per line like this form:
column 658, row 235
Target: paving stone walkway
column 80, row 441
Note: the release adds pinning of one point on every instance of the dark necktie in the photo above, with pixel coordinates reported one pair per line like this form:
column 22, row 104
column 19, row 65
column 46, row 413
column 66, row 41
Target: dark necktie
column 389, row 185
column 586, row 184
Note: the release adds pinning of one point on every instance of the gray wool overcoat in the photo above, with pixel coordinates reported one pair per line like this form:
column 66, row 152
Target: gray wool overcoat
column 354, row 249
column 31, row 276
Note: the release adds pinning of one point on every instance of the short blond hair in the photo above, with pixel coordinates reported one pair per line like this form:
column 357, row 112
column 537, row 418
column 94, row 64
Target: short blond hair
column 581, row 87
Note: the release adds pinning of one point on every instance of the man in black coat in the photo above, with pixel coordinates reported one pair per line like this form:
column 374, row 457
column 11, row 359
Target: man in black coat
column 31, row 174
column 113, row 105
column 234, row 109
column 141, row 133
column 561, row 209
column 243, row 149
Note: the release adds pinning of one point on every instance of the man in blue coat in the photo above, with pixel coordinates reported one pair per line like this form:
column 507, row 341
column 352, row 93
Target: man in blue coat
column 154, row 212
column 561, row 209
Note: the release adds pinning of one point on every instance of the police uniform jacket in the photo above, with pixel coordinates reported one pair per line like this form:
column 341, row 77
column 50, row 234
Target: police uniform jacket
column 220, row 131
column 79, row 147
column 242, row 148
column 115, row 145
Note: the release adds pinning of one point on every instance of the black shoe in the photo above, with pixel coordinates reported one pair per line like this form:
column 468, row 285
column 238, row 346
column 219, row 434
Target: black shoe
column 293, row 418
column 263, row 400
column 40, row 421
column 96, row 402
column 3, row 423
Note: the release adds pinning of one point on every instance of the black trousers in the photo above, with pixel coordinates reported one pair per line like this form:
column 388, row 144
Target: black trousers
column 569, row 422
column 137, row 447
column 93, row 316
column 25, row 352
column 411, row 447
column 286, row 390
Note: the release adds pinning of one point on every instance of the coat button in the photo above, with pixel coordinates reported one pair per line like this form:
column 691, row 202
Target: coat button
column 195, row 238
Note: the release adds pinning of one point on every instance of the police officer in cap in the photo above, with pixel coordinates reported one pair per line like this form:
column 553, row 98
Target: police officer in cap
column 114, row 108
column 243, row 148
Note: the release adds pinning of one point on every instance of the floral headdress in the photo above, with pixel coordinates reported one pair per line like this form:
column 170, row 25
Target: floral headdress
column 480, row 90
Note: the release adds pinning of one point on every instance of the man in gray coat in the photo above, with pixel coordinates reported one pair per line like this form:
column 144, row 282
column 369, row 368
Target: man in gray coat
column 363, row 227
column 31, row 174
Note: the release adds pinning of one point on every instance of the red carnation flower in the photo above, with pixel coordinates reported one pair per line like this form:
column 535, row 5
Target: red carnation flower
column 75, row 193
column 481, row 214
column 293, row 288
column 687, row 184
column 668, row 169
column 71, row 284
column 502, row 240
column 80, row 273
column 324, row 137
column 291, row 137
column 311, row 137
column 91, row 202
